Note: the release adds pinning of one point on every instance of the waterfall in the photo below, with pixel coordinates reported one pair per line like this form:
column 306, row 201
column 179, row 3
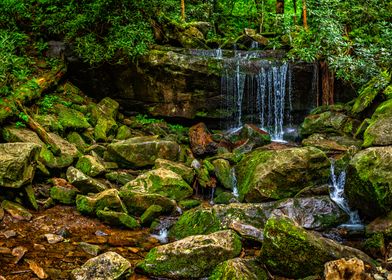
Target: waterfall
column 235, row 185
column 337, row 195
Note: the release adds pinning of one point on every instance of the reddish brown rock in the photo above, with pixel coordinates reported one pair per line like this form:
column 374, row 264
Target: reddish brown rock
column 201, row 140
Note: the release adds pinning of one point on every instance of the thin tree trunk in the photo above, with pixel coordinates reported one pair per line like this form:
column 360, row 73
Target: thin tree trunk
column 304, row 14
column 280, row 6
column 295, row 11
column 183, row 10
column 327, row 84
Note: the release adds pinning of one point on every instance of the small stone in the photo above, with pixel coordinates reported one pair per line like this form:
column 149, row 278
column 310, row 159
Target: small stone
column 39, row 247
column 90, row 248
column 5, row 251
column 16, row 211
column 101, row 233
column 19, row 252
column 53, row 238
column 9, row 233
column 39, row 271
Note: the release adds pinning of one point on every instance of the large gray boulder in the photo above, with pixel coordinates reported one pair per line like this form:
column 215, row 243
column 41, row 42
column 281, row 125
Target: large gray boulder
column 271, row 175
column 17, row 163
column 142, row 151
column 192, row 257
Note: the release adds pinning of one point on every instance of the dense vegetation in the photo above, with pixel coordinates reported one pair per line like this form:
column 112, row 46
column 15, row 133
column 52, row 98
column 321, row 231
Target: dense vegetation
column 354, row 36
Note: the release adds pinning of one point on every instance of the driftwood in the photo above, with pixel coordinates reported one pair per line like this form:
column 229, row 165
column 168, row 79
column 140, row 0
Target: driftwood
column 29, row 91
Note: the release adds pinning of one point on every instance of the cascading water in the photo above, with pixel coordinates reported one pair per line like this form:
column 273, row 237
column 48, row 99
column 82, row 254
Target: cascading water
column 235, row 185
column 337, row 195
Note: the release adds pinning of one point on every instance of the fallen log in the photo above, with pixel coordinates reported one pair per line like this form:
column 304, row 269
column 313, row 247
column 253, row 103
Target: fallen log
column 29, row 91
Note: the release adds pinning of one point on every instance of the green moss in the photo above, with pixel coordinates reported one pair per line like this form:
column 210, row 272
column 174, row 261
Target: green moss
column 63, row 195
column 189, row 204
column 76, row 139
column 152, row 212
column 375, row 245
column 84, row 205
column 196, row 221
column 117, row 218
column 71, row 119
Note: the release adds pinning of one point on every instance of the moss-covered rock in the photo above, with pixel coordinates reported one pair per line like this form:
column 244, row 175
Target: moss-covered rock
column 224, row 173
column 381, row 225
column 71, row 119
column 161, row 181
column 225, row 198
column 108, row 266
column 117, row 219
column 16, row 210
column 192, row 257
column 84, row 183
column 142, row 151
column 152, row 212
column 375, row 245
column 104, row 118
column 369, row 181
column 119, row 177
column 106, row 200
column 290, row 251
column 64, row 195
column 91, row 166
column 184, row 171
column 267, row 174
column 76, row 139
column 254, row 135
column 189, row 204
column 124, row 132
column 379, row 131
column 17, row 164
column 239, row 269
column 196, row 221
column 329, row 143
column 137, row 203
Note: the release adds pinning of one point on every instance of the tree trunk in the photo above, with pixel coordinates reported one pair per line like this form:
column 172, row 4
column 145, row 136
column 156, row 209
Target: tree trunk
column 327, row 84
column 280, row 6
column 304, row 14
column 29, row 91
column 183, row 10
column 295, row 11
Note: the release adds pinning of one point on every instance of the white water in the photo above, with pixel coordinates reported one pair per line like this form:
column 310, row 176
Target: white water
column 337, row 195
column 235, row 186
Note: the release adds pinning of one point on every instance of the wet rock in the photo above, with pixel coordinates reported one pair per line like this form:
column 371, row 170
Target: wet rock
column 369, row 181
column 107, row 266
column 91, row 166
column 238, row 268
column 119, row 177
column 254, row 135
column 152, row 212
column 267, row 174
column 107, row 199
column 142, row 151
column 18, row 253
column 345, row 269
column 16, row 210
column 90, row 248
column 375, row 246
column 53, row 238
column 104, row 117
column 71, row 119
column 76, row 139
column 117, row 219
column 331, row 143
column 37, row 269
column 379, row 131
column 191, row 257
column 201, row 140
column 84, row 183
column 224, row 173
column 381, row 224
column 184, row 171
column 290, row 251
column 160, row 181
column 64, row 195
column 138, row 202
column 9, row 233
column 189, row 204
column 247, row 231
column 124, row 133
column 225, row 198
column 17, row 164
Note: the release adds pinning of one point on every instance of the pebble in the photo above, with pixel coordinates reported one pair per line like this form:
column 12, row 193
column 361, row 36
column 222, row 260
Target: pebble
column 101, row 233
column 9, row 233
column 39, row 247
column 5, row 251
column 90, row 248
column 53, row 238
column 39, row 271
column 19, row 252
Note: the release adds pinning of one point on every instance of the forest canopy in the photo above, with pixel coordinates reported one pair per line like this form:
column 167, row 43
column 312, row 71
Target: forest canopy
column 354, row 37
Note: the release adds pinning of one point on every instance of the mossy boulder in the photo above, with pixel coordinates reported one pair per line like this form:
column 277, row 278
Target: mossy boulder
column 225, row 198
column 239, row 269
column 124, row 132
column 104, row 118
column 224, row 173
column 184, row 171
column 369, row 181
column 64, row 195
column 91, row 166
column 142, row 151
column 84, row 183
column 152, row 212
column 192, row 257
column 119, row 177
column 106, row 200
column 107, row 266
column 161, row 181
column 290, row 251
column 17, row 164
column 379, row 131
column 381, row 225
column 189, row 204
column 138, row 202
column 117, row 218
column 76, row 139
column 331, row 143
column 71, row 119
column 267, row 174
column 254, row 135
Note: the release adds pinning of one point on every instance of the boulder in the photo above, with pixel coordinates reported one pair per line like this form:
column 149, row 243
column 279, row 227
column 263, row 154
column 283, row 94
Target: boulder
column 161, row 181
column 290, row 251
column 192, row 257
column 329, row 143
column 244, row 269
column 345, row 269
column 225, row 173
column 64, row 195
column 16, row 210
column 108, row 199
column 71, row 119
column 107, row 266
column 381, row 225
column 379, row 131
column 91, row 166
column 117, row 219
column 369, row 181
column 119, row 177
column 138, row 202
column 17, row 164
column 267, row 174
column 201, row 140
column 104, row 117
column 152, row 212
column 254, row 135
column 184, row 171
column 142, row 151
column 84, row 183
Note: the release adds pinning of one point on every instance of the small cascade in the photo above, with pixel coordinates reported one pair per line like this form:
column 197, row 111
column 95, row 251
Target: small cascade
column 212, row 196
column 235, row 185
column 337, row 195
column 162, row 230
